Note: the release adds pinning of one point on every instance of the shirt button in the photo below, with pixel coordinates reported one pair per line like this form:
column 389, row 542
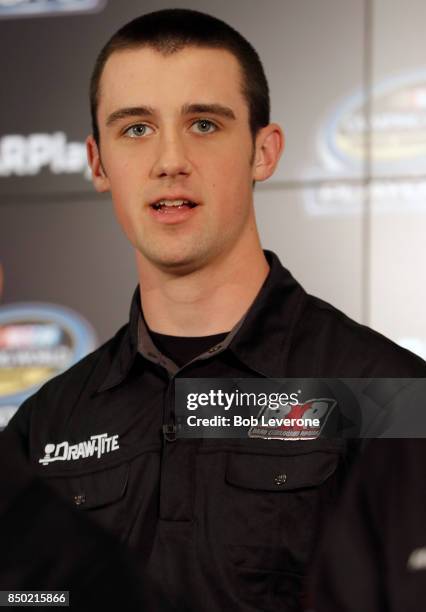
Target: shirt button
column 280, row 479
column 79, row 499
column 213, row 349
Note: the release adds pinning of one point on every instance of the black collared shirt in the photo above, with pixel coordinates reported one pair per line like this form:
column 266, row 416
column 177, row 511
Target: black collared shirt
column 213, row 527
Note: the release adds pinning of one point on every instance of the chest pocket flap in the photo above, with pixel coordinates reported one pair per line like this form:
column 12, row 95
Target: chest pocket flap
column 280, row 473
column 93, row 490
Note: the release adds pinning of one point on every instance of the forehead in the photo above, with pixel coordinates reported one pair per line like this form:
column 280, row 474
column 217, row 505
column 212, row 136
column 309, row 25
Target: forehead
column 146, row 76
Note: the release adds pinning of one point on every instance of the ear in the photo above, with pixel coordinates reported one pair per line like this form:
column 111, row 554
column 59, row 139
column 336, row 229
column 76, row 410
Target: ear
column 268, row 149
column 99, row 177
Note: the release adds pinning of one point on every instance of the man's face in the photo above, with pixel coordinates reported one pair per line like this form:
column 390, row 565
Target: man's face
column 177, row 153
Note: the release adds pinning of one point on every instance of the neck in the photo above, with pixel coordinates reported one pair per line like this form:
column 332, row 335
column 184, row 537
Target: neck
column 206, row 301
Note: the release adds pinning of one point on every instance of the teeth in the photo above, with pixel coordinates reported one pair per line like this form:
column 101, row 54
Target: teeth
column 172, row 202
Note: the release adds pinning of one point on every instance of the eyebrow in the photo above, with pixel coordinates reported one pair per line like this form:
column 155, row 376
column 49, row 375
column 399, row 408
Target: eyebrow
column 133, row 111
column 187, row 109
column 211, row 109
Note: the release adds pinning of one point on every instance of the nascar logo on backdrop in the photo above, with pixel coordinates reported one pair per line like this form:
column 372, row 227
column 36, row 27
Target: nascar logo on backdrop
column 24, row 8
column 397, row 146
column 397, row 122
column 37, row 341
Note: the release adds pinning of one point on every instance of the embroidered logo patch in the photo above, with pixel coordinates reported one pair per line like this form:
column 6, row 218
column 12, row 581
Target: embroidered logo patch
column 96, row 446
column 294, row 422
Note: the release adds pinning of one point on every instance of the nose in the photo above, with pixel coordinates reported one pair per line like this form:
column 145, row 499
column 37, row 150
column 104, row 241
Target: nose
column 171, row 159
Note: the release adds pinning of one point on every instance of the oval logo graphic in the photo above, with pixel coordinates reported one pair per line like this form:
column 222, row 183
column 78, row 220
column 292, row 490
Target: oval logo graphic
column 398, row 125
column 37, row 341
column 24, row 8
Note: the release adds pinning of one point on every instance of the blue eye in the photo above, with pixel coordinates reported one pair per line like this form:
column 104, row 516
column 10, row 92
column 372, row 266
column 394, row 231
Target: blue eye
column 205, row 126
column 137, row 131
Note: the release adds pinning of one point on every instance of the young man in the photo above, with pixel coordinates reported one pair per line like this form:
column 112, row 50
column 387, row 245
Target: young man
column 181, row 132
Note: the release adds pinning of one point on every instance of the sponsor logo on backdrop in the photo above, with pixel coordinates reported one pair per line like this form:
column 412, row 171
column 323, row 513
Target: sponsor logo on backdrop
column 37, row 341
column 30, row 155
column 397, row 147
column 25, row 8
column 387, row 196
column 398, row 123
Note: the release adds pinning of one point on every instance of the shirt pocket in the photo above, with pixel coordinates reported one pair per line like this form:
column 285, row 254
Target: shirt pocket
column 274, row 509
column 99, row 494
column 280, row 473
column 279, row 502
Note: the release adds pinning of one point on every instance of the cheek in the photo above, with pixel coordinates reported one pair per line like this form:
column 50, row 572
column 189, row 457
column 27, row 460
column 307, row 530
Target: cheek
column 125, row 183
column 125, row 198
column 123, row 217
column 123, row 166
column 231, row 190
column 121, row 200
column 230, row 173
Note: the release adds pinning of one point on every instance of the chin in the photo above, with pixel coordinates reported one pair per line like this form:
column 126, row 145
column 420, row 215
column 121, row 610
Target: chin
column 177, row 263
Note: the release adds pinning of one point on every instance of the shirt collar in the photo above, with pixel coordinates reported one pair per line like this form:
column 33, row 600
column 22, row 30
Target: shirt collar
column 125, row 351
column 264, row 339
column 261, row 339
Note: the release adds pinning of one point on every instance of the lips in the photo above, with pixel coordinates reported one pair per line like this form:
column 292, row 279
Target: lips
column 170, row 205
column 171, row 210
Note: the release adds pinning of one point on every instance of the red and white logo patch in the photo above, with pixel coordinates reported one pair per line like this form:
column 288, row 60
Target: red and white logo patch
column 293, row 422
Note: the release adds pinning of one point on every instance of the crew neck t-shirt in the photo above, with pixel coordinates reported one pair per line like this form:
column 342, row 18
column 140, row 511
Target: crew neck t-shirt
column 182, row 349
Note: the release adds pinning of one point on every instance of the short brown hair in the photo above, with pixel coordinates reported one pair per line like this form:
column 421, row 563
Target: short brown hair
column 171, row 30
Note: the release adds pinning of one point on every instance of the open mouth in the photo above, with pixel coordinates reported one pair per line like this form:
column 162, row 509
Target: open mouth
column 172, row 205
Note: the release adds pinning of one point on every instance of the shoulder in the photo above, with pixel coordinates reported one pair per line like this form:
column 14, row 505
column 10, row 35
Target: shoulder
column 351, row 349
column 88, row 372
column 65, row 389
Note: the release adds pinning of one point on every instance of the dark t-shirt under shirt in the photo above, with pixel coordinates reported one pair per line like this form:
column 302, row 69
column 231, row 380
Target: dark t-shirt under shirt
column 182, row 349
